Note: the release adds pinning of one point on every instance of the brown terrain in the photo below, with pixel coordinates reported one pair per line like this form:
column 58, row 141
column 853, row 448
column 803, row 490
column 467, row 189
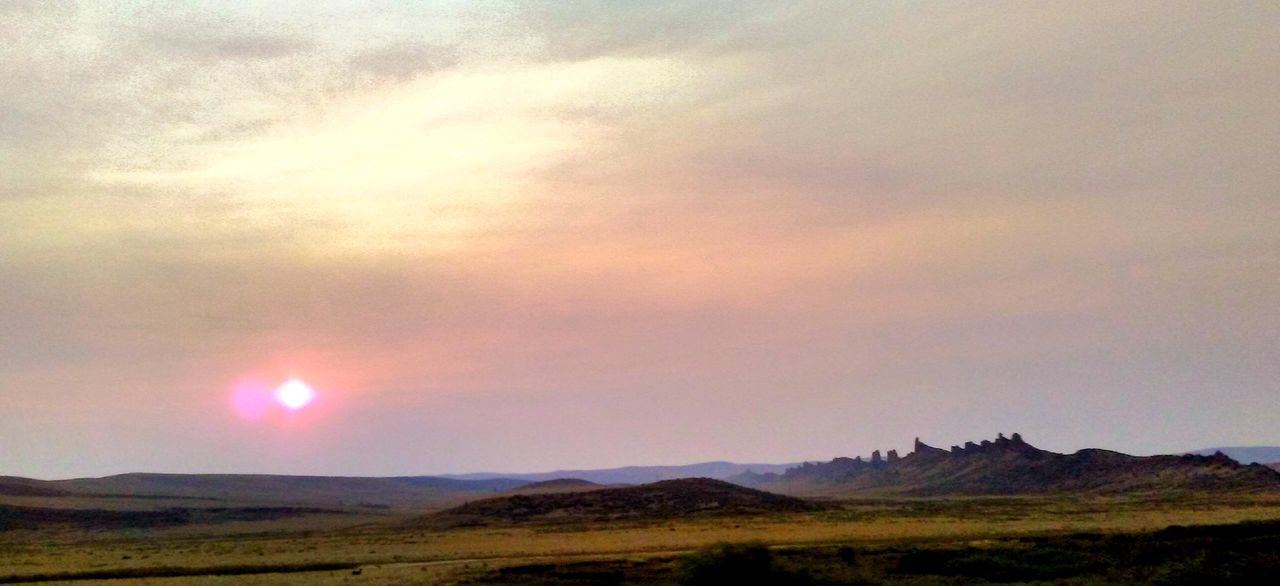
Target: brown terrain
column 1078, row 518
column 667, row 499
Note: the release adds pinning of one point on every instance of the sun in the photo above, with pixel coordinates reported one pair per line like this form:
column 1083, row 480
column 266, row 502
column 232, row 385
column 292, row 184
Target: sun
column 295, row 394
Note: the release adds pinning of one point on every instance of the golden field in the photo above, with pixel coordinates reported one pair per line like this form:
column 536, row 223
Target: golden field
column 388, row 548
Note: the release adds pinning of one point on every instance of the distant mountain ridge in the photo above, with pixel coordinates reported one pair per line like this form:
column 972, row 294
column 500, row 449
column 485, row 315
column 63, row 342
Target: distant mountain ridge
column 1010, row 466
column 412, row 491
column 1245, row 454
column 1002, row 466
column 718, row 470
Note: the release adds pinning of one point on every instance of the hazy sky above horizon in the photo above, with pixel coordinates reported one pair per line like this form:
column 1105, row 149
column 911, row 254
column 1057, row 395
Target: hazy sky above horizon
column 508, row 236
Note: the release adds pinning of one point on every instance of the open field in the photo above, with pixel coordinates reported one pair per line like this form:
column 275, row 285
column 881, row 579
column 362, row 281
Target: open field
column 326, row 548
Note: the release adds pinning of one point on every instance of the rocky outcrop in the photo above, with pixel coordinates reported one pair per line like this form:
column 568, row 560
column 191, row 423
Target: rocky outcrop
column 922, row 449
column 1009, row 465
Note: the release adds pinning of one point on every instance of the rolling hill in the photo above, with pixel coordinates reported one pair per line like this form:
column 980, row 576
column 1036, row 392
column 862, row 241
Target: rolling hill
column 559, row 485
column 1010, row 466
column 17, row 486
column 404, row 491
column 1000, row 467
column 659, row 500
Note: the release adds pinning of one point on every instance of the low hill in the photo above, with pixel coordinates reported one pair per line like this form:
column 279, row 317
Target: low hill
column 1010, row 466
column 558, row 485
column 1245, row 454
column 1274, row 466
column 405, row 491
column 16, row 486
column 636, row 474
column 659, row 500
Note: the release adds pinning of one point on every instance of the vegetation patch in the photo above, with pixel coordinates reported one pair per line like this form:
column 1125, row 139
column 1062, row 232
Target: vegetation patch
column 1243, row 553
column 176, row 572
column 15, row 517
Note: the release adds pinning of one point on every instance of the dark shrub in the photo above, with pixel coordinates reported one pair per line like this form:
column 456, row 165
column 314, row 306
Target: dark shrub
column 923, row 561
column 736, row 563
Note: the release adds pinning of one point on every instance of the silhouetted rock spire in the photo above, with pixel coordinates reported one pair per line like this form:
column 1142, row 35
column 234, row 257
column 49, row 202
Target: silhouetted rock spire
column 1009, row 465
column 923, row 449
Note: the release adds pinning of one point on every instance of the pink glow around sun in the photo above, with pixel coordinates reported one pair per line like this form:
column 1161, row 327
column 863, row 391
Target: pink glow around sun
column 295, row 394
column 251, row 399
column 293, row 401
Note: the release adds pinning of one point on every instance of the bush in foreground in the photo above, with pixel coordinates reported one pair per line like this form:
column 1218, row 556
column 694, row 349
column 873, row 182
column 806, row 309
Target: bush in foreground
column 737, row 563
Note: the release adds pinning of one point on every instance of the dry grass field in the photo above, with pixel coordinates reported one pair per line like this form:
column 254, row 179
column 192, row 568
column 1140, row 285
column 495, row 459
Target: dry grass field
column 385, row 549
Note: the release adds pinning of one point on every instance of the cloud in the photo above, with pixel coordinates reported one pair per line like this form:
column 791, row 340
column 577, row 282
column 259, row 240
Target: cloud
column 587, row 30
column 403, row 61
column 419, row 166
column 201, row 43
column 31, row 7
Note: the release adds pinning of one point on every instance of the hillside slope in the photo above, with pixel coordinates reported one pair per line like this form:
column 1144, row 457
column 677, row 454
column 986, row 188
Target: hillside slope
column 17, row 486
column 1010, row 466
column 659, row 500
column 559, row 485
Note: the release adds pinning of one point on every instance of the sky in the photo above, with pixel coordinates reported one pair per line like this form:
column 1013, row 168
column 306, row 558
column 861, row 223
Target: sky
column 509, row 236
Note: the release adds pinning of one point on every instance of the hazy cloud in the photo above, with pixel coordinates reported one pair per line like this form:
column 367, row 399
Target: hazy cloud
column 587, row 30
column 864, row 221
column 405, row 61
column 199, row 42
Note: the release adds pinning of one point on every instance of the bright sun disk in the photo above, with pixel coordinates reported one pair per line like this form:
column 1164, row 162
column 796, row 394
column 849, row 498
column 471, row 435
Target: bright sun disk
column 295, row 394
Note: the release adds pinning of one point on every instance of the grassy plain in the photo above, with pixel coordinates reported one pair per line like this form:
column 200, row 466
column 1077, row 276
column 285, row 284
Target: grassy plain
column 387, row 547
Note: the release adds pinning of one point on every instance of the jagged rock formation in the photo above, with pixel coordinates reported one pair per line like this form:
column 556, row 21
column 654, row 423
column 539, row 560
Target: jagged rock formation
column 1009, row 465
column 1264, row 455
